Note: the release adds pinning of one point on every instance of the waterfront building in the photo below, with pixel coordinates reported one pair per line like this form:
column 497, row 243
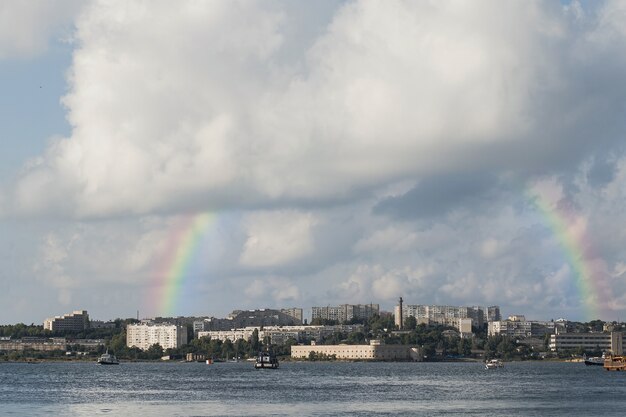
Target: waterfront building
column 439, row 314
column 345, row 312
column 588, row 341
column 375, row 351
column 34, row 343
column 74, row 322
column 168, row 336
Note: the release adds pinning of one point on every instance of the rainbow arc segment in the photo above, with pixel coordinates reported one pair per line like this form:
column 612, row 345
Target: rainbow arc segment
column 578, row 250
column 181, row 249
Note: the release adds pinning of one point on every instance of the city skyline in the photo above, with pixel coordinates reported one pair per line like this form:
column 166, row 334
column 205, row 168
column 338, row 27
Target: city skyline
column 184, row 159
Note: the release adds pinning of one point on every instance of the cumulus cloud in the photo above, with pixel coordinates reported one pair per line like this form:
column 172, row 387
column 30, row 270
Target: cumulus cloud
column 386, row 150
column 26, row 27
column 277, row 238
column 170, row 104
column 278, row 290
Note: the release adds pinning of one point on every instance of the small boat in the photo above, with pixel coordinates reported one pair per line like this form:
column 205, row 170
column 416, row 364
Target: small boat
column 594, row 360
column 493, row 364
column 108, row 359
column 266, row 360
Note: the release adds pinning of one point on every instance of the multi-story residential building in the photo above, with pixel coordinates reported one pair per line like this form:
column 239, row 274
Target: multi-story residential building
column 279, row 334
column 345, row 312
column 518, row 326
column 465, row 328
column 251, row 318
column 588, row 341
column 326, row 313
column 439, row 314
column 294, row 312
column 492, row 313
column 74, row 322
column 232, row 335
column 168, row 336
column 98, row 324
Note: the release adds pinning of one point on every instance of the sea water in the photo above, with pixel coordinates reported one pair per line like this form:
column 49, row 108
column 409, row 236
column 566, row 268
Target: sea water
column 311, row 389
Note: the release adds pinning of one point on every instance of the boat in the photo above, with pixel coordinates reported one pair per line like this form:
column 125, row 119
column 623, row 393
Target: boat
column 108, row 359
column 594, row 360
column 266, row 360
column 615, row 363
column 494, row 364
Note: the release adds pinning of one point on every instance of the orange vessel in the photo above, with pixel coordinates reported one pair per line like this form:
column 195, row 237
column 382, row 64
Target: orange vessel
column 615, row 363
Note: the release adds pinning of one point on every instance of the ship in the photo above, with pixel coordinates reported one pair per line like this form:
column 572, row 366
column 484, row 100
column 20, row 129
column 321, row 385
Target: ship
column 594, row 360
column 108, row 359
column 615, row 363
column 494, row 364
column 266, row 360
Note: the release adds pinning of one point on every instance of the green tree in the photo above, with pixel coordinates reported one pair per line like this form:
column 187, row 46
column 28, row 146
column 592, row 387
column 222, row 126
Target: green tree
column 254, row 342
column 154, row 352
column 465, row 347
column 410, row 323
column 356, row 338
column 117, row 344
column 228, row 350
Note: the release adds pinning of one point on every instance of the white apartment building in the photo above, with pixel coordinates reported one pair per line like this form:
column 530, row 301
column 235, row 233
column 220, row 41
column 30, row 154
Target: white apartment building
column 518, row 326
column 279, row 334
column 294, row 312
column 492, row 313
column 345, row 312
column 465, row 328
column 78, row 320
column 168, row 336
column 440, row 314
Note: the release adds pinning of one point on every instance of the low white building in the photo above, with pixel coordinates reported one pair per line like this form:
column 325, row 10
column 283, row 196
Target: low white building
column 168, row 336
column 375, row 351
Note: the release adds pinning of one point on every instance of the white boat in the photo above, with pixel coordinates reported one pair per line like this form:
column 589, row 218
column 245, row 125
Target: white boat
column 266, row 360
column 108, row 359
column 594, row 360
column 493, row 364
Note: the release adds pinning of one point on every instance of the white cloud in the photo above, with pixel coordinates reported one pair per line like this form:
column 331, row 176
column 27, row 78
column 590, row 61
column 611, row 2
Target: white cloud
column 168, row 104
column 390, row 238
column 277, row 238
column 213, row 106
column 27, row 26
column 489, row 248
column 279, row 290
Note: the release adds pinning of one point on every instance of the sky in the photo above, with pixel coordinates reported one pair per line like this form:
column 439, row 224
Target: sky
column 194, row 158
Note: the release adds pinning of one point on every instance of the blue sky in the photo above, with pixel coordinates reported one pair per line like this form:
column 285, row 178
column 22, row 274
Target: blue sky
column 351, row 152
column 31, row 108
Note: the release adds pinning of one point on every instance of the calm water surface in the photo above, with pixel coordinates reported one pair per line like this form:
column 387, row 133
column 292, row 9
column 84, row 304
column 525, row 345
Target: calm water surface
column 314, row 389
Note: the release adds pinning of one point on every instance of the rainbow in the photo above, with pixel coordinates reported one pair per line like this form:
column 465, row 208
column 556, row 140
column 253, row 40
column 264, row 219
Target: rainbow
column 570, row 230
column 178, row 255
